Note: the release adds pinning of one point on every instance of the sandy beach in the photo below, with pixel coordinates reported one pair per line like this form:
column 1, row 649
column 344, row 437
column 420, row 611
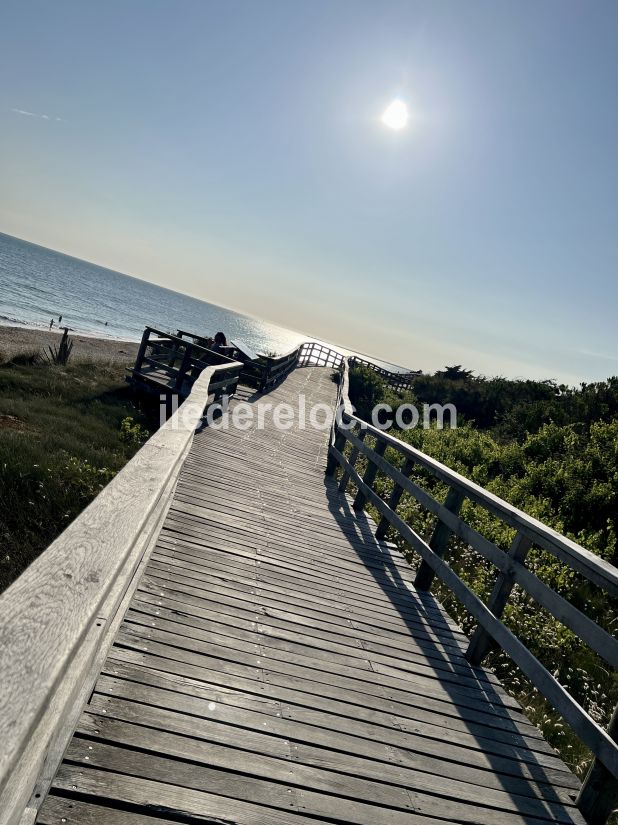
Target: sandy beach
column 14, row 340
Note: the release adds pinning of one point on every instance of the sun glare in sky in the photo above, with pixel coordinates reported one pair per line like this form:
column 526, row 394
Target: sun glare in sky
column 396, row 115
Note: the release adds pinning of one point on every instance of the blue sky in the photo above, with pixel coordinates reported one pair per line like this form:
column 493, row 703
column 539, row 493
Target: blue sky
column 234, row 151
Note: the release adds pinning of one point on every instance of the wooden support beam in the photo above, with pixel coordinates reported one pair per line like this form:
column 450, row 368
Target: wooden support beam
column 183, row 369
column 369, row 477
column 598, row 797
column 142, row 348
column 339, row 443
column 439, row 540
column 343, row 483
column 481, row 642
column 394, row 500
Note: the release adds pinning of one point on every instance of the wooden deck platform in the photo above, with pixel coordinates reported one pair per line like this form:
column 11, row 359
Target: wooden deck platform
column 277, row 666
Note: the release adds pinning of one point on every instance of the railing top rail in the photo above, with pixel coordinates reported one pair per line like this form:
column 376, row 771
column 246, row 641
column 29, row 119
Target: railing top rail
column 190, row 344
column 180, row 333
column 298, row 350
column 68, row 593
column 589, row 564
column 169, row 335
column 348, row 409
column 288, row 354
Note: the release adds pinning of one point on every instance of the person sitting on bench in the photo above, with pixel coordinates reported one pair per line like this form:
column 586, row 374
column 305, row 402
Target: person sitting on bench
column 221, row 345
column 220, row 342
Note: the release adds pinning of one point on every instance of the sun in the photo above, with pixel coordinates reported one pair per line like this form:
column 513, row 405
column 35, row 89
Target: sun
column 396, row 115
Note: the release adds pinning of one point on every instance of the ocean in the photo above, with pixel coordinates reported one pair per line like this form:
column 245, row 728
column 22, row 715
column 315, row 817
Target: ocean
column 38, row 284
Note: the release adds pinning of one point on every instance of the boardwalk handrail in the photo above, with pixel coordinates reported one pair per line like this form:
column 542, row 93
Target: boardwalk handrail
column 178, row 356
column 397, row 380
column 180, row 361
column 58, row 618
column 272, row 369
column 600, row 791
column 314, row 354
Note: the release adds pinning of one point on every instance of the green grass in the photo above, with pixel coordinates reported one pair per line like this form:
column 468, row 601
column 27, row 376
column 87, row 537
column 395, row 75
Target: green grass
column 61, row 440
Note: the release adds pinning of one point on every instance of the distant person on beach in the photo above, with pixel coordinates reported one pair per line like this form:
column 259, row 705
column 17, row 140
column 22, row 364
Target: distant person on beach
column 51, row 323
column 59, row 320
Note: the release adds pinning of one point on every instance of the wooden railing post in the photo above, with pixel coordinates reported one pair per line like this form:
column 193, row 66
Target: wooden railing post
column 481, row 642
column 142, row 349
column 331, row 462
column 343, row 483
column 369, row 477
column 394, row 500
column 598, row 797
column 182, row 370
column 265, row 375
column 337, row 435
column 439, row 540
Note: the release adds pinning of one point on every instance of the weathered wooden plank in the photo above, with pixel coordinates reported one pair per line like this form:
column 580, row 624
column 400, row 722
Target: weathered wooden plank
column 249, row 583
column 366, row 676
column 231, row 667
column 155, row 763
column 293, row 641
column 302, row 577
column 58, row 810
column 326, row 771
column 336, row 611
column 437, row 713
column 413, row 689
column 343, row 707
column 143, row 669
column 154, row 797
column 183, row 593
column 360, row 740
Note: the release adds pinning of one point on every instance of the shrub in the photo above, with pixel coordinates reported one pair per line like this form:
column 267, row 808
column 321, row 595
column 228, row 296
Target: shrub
column 133, row 433
column 26, row 358
column 366, row 390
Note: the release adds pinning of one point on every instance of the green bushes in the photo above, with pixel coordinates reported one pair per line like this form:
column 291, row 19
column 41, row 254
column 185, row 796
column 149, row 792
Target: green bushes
column 513, row 408
column 366, row 388
column 64, row 433
column 132, row 433
column 26, row 358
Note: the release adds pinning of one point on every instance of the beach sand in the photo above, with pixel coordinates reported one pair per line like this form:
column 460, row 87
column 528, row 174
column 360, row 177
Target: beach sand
column 14, row 340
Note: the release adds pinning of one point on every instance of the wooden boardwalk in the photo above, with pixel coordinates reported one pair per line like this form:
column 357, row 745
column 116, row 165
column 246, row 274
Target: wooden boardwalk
column 277, row 666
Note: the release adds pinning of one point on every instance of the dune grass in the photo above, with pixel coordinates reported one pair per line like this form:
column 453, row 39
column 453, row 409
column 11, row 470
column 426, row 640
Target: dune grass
column 62, row 438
